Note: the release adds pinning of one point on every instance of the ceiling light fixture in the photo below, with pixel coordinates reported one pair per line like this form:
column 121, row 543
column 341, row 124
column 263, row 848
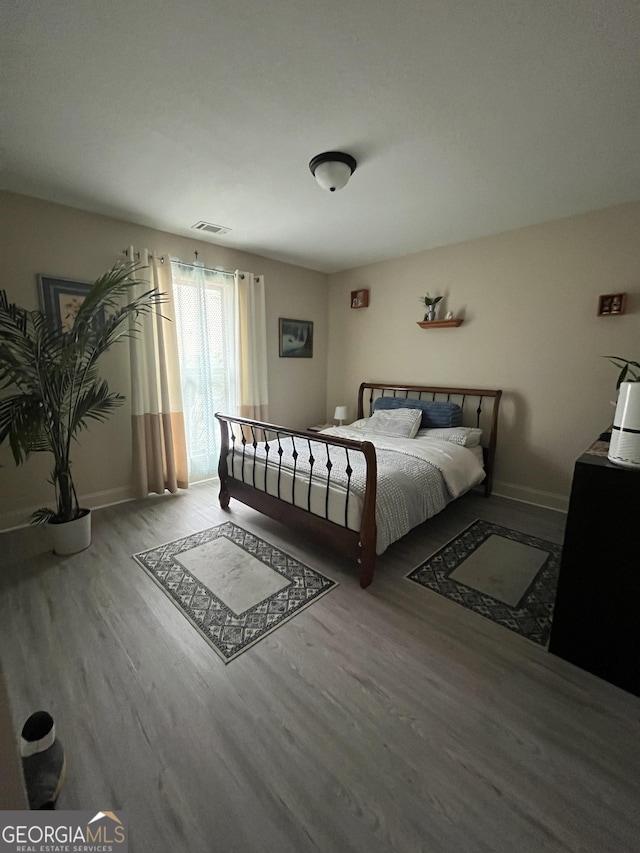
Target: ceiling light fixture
column 332, row 169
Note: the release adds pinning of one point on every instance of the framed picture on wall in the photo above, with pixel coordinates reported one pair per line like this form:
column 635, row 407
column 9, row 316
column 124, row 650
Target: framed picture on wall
column 60, row 299
column 296, row 338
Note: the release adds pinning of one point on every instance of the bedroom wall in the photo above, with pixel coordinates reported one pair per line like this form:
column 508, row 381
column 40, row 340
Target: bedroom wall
column 39, row 237
column 529, row 301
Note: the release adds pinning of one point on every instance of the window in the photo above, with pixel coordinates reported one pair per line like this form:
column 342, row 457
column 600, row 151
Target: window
column 205, row 326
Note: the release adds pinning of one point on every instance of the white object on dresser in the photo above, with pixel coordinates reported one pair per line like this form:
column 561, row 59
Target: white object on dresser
column 624, row 448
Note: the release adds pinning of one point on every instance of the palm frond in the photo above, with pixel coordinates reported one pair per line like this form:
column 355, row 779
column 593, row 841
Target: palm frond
column 627, row 368
column 95, row 403
column 22, row 423
column 42, row 516
column 105, row 296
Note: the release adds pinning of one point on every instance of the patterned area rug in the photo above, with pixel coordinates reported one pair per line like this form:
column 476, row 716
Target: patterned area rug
column 507, row 576
column 233, row 587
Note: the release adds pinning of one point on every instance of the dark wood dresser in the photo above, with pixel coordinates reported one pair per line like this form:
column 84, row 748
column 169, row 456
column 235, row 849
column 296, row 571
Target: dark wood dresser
column 596, row 621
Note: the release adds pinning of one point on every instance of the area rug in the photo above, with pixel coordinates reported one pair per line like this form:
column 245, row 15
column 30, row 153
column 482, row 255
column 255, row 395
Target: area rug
column 234, row 587
column 502, row 574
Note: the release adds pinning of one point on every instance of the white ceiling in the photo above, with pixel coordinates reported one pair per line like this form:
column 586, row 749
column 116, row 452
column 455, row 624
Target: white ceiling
column 467, row 117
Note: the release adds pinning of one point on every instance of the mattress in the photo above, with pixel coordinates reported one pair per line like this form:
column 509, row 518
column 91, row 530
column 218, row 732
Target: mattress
column 416, row 478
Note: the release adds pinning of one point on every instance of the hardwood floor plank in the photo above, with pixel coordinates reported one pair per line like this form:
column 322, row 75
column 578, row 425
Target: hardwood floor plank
column 389, row 719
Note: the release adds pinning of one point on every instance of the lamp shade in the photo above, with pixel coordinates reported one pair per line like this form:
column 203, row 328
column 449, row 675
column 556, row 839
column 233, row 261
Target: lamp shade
column 332, row 169
column 340, row 414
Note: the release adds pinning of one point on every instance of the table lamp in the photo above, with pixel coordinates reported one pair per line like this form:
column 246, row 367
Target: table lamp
column 340, row 414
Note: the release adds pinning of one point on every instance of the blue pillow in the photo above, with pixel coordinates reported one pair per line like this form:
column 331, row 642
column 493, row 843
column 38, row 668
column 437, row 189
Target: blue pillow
column 435, row 413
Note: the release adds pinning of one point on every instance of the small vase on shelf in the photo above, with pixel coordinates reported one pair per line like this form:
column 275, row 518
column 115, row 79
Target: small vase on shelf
column 430, row 315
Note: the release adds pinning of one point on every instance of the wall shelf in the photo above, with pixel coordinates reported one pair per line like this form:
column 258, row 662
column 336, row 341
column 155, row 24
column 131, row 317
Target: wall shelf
column 610, row 304
column 360, row 298
column 440, row 324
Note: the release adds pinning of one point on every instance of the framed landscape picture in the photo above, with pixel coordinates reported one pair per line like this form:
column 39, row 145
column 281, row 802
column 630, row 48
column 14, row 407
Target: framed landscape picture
column 296, row 338
column 61, row 298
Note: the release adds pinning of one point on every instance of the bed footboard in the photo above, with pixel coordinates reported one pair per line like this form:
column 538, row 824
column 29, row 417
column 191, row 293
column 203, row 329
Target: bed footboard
column 321, row 484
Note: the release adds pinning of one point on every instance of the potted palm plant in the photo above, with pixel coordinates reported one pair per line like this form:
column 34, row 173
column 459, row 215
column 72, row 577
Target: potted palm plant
column 624, row 447
column 53, row 389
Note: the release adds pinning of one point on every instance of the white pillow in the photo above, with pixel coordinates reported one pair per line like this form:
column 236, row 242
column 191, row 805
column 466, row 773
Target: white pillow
column 360, row 424
column 465, row 436
column 401, row 423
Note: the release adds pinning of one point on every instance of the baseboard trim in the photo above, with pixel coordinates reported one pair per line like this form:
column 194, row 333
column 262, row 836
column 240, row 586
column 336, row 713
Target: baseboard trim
column 109, row 497
column 20, row 517
column 534, row 497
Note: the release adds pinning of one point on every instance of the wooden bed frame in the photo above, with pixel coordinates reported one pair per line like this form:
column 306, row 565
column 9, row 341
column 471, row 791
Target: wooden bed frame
column 357, row 544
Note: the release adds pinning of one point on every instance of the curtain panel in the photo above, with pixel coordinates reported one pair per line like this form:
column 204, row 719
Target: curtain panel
column 251, row 347
column 158, row 432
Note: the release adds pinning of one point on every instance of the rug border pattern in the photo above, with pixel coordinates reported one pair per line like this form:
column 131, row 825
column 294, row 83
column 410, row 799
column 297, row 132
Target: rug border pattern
column 293, row 598
column 532, row 617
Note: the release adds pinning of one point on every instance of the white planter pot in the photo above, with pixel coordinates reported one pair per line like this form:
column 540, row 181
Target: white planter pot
column 70, row 537
column 624, row 448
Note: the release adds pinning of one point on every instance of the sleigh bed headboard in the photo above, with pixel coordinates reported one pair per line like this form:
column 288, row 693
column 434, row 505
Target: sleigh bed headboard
column 479, row 407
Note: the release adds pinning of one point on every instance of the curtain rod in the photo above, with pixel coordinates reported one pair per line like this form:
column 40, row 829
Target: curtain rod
column 198, row 267
column 183, row 264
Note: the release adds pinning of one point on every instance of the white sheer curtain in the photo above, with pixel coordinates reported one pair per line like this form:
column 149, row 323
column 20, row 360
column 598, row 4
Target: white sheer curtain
column 221, row 330
column 159, row 447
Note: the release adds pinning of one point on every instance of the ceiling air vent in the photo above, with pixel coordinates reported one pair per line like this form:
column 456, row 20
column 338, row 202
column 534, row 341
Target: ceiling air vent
column 210, row 228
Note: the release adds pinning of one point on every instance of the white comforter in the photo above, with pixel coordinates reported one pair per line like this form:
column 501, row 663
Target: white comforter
column 417, row 478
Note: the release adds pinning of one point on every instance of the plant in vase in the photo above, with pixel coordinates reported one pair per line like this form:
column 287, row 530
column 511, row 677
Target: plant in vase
column 430, row 304
column 53, row 385
column 628, row 369
column 624, row 448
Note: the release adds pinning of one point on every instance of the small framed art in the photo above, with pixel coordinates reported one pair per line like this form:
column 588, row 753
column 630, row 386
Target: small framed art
column 61, row 298
column 296, row 338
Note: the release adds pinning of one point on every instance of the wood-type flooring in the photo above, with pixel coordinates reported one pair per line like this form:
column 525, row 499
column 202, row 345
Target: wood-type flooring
column 386, row 719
